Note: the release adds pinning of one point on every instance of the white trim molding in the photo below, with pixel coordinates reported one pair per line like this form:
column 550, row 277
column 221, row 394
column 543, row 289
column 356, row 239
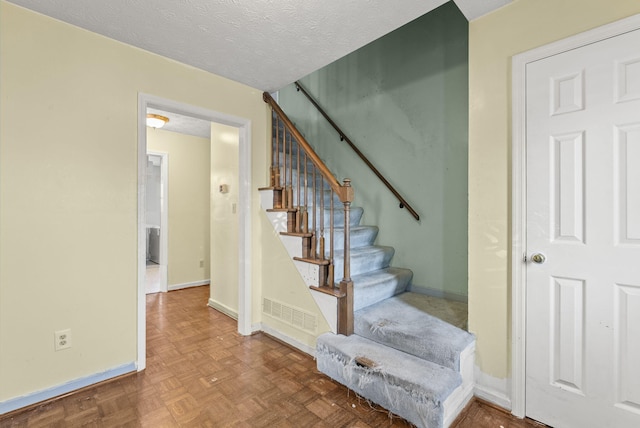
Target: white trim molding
column 492, row 389
column 519, row 197
column 220, row 307
column 189, row 284
column 65, row 388
column 288, row 340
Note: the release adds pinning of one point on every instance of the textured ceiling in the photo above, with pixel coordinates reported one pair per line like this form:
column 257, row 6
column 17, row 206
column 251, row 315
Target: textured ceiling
column 265, row 44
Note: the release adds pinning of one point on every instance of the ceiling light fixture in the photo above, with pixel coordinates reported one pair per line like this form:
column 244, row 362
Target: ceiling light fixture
column 156, row 121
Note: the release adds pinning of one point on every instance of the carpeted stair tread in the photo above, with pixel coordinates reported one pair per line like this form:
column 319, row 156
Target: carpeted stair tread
column 372, row 287
column 401, row 322
column 406, row 385
column 364, row 259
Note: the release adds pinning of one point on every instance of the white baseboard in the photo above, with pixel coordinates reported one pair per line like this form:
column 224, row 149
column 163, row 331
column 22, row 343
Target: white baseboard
column 49, row 393
column 456, row 403
column 188, row 285
column 441, row 294
column 492, row 389
column 288, row 340
column 255, row 328
column 224, row 309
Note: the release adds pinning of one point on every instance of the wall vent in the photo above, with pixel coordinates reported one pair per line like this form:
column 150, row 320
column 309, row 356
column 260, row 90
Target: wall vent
column 290, row 315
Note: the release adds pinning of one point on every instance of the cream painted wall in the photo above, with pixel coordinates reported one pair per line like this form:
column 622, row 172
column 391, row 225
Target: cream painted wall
column 188, row 210
column 282, row 282
column 494, row 39
column 69, row 180
column 224, row 218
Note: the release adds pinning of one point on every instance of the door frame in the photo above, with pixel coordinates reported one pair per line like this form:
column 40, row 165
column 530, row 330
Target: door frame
column 244, row 208
column 164, row 218
column 519, row 191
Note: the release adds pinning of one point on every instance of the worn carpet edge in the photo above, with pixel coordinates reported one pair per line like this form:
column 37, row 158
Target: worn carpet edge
column 408, row 386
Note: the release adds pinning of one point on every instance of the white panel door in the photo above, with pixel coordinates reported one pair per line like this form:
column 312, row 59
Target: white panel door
column 583, row 236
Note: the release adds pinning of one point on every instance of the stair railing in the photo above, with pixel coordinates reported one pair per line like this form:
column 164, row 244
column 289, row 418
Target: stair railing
column 343, row 137
column 298, row 197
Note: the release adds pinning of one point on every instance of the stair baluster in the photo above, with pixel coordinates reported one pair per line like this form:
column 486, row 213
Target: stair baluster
column 274, row 156
column 321, row 233
column 314, row 195
column 290, row 187
column 285, row 170
column 274, row 149
column 330, row 279
column 299, row 205
column 305, row 212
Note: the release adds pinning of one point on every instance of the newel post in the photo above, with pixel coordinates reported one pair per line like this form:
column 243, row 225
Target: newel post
column 345, row 303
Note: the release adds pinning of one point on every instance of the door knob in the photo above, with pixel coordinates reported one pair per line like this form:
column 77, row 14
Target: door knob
column 538, row 258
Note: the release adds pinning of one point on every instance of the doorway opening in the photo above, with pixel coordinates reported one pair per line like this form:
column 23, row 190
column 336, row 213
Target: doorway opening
column 243, row 125
column 157, row 230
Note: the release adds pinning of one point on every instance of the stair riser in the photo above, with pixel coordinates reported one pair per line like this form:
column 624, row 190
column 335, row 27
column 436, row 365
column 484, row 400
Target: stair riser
column 362, row 263
column 367, row 294
column 360, row 237
column 377, row 391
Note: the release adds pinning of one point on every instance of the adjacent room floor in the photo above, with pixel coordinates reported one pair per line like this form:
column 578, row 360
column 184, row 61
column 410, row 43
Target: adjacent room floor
column 202, row 373
column 152, row 278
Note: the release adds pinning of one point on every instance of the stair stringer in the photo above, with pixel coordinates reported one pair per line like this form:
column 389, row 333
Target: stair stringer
column 309, row 272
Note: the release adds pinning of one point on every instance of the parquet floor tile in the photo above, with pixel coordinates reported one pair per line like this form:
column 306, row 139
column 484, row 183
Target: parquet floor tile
column 202, row 373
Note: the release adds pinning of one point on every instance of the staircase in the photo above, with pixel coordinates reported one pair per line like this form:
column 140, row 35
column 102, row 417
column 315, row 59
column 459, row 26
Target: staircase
column 399, row 356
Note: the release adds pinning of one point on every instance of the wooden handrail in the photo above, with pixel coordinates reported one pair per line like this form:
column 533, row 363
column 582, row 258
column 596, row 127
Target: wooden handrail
column 344, row 193
column 343, row 137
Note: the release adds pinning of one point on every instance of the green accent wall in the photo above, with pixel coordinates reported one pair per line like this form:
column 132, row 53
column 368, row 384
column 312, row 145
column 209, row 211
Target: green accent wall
column 403, row 100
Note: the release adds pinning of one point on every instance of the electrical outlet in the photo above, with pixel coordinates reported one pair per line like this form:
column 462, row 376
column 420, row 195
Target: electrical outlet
column 201, row 263
column 63, row 339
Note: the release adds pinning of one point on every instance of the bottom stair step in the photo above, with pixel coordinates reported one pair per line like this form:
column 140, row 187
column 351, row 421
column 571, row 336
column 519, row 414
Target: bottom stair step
column 408, row 386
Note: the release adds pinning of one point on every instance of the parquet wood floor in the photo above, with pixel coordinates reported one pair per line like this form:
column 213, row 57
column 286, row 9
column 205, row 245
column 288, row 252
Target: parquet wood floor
column 202, row 373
